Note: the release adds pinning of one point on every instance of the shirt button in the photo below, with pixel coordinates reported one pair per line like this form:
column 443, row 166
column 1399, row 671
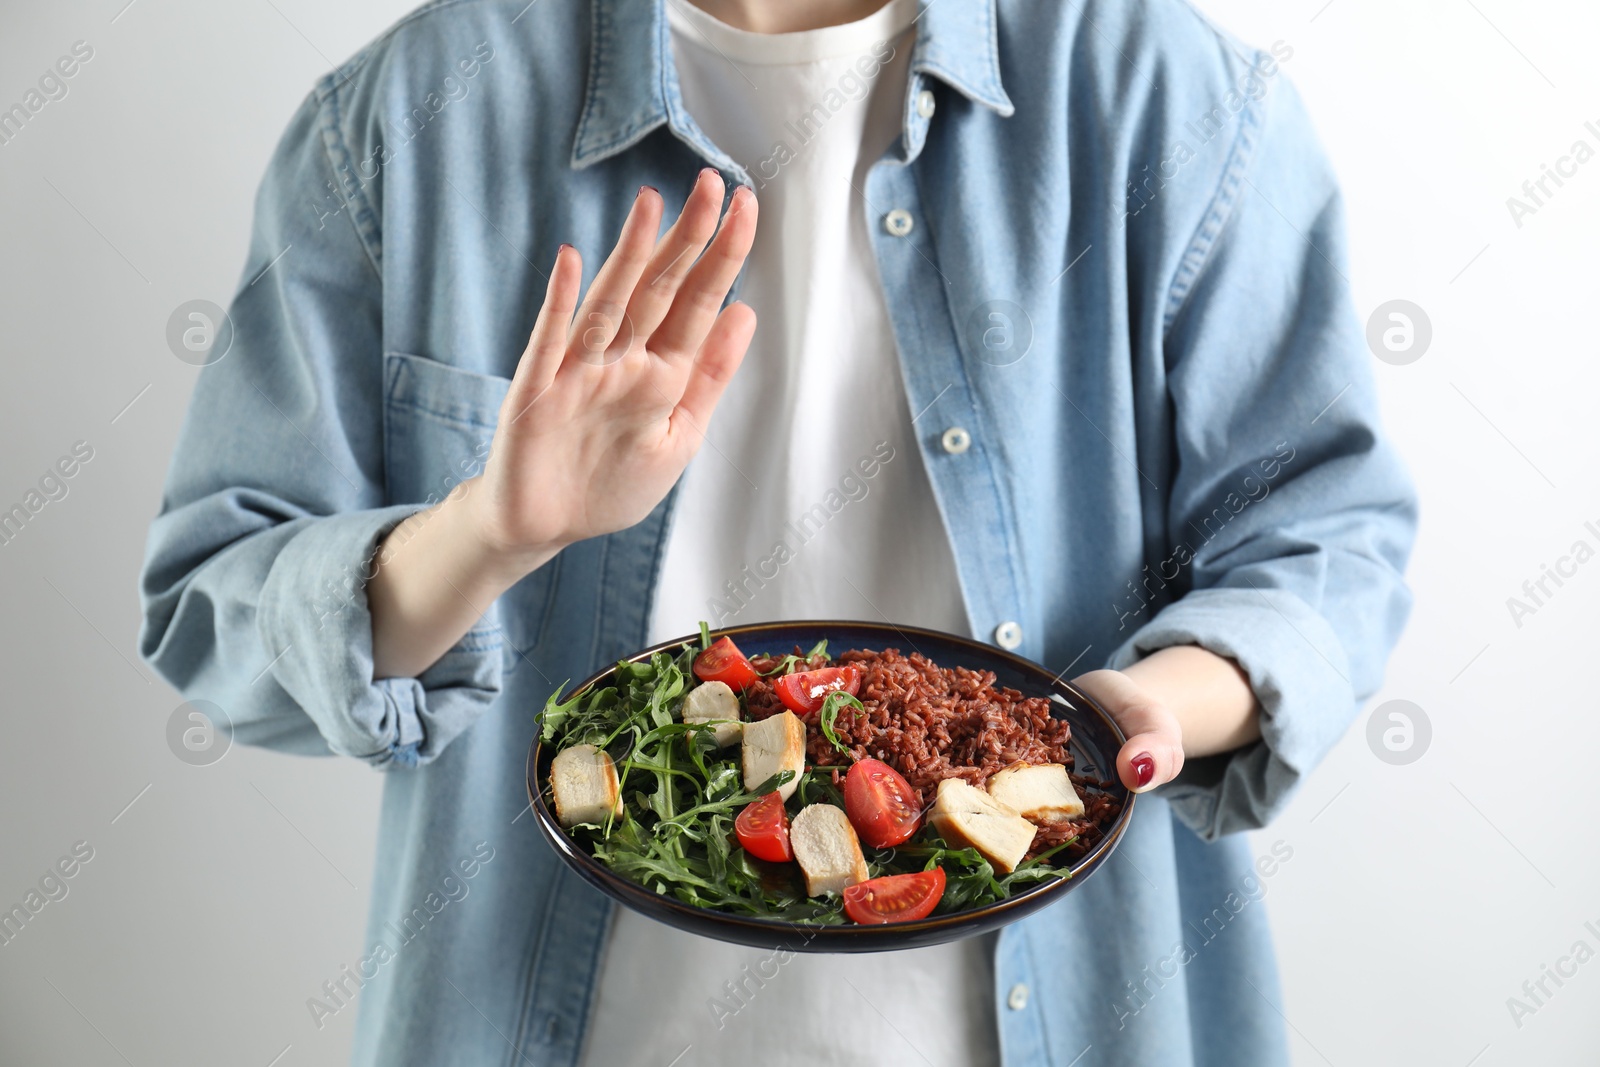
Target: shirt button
column 1008, row 635
column 925, row 104
column 956, row 440
column 1017, row 999
column 898, row 222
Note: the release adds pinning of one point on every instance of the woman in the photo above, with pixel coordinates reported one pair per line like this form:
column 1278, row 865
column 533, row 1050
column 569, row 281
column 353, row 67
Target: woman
column 1066, row 282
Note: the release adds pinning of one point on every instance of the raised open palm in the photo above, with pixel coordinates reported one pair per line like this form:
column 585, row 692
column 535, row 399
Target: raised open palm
column 609, row 404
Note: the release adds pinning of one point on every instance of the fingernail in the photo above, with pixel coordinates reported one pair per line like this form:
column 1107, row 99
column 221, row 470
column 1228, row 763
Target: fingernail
column 652, row 188
column 707, row 170
column 741, row 197
column 1144, row 768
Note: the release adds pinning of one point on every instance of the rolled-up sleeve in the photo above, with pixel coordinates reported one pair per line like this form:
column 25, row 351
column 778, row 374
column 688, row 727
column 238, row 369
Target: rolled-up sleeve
column 1290, row 516
column 253, row 587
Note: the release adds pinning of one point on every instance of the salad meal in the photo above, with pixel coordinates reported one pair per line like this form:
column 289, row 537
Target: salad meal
column 869, row 787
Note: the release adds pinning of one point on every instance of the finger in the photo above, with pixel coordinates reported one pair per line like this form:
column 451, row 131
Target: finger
column 694, row 309
column 1153, row 753
column 547, row 344
column 1149, row 759
column 676, row 253
column 601, row 316
column 714, row 366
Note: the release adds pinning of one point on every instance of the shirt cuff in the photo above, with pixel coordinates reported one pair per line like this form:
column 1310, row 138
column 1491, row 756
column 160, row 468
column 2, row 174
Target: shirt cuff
column 1300, row 674
column 313, row 617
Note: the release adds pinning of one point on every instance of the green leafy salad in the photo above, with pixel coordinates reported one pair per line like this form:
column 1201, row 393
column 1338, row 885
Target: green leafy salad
column 675, row 794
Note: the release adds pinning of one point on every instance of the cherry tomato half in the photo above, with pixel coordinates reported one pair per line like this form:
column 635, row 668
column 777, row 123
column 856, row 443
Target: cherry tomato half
column 804, row 691
column 895, row 898
column 763, row 829
column 882, row 806
column 723, row 662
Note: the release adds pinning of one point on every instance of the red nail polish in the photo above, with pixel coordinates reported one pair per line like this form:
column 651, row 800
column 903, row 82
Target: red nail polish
column 1144, row 768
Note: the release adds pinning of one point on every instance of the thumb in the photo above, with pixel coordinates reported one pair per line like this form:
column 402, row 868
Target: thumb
column 1153, row 753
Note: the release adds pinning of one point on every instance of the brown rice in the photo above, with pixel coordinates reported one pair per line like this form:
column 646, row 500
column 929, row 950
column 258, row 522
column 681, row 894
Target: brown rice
column 931, row 723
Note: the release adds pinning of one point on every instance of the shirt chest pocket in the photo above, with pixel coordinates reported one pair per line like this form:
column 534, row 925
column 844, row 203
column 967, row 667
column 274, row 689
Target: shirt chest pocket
column 438, row 424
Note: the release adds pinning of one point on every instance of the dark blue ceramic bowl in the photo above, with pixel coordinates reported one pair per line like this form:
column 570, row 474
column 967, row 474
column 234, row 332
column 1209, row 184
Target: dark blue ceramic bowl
column 1095, row 743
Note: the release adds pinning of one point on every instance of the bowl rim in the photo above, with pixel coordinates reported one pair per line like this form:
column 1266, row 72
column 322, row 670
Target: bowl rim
column 647, row 900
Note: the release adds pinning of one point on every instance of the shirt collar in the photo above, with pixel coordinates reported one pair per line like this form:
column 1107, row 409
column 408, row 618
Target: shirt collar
column 633, row 85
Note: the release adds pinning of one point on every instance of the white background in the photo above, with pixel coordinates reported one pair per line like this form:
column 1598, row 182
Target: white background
column 1419, row 898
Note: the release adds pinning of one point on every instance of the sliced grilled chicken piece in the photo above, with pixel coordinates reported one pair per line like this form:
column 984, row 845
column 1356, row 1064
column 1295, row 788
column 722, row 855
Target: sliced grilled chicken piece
column 967, row 817
column 776, row 743
column 584, row 782
column 827, row 849
column 714, row 702
column 1039, row 792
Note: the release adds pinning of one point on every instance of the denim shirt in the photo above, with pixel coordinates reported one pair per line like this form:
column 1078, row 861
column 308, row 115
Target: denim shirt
column 1116, row 273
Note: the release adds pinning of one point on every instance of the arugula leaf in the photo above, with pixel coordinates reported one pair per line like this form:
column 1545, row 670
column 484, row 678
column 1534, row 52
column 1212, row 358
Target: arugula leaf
column 738, row 800
column 816, row 787
column 828, row 716
column 556, row 713
column 790, row 662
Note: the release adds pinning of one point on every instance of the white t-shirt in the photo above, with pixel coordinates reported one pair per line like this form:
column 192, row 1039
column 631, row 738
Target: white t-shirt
column 812, row 448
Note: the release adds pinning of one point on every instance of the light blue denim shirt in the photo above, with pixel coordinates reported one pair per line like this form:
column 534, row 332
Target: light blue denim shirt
column 1123, row 279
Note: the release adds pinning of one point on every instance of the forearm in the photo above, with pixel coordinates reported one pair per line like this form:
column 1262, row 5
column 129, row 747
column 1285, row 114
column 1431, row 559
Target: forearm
column 436, row 576
column 1209, row 695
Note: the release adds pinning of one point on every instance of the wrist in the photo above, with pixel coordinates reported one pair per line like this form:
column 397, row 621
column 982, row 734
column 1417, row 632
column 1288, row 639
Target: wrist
column 498, row 561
